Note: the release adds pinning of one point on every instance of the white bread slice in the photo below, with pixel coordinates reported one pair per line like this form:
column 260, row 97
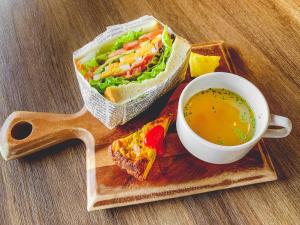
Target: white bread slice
column 180, row 52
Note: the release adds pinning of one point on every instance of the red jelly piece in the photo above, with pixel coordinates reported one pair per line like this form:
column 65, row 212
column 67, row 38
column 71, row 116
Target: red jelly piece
column 154, row 139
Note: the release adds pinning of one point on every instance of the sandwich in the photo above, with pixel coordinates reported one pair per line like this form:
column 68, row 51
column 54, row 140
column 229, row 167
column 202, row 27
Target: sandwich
column 132, row 63
column 137, row 152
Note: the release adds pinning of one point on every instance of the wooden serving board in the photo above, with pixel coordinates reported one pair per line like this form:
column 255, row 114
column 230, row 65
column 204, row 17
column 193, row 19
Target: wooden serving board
column 176, row 174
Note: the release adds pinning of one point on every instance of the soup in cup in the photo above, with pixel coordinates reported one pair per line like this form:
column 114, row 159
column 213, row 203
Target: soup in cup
column 222, row 116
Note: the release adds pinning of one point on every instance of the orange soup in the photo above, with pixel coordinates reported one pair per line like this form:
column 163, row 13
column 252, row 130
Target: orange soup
column 220, row 116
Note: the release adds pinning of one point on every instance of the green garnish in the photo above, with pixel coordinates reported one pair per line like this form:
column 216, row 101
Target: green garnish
column 161, row 65
column 101, row 58
column 102, row 84
column 91, row 63
column 240, row 134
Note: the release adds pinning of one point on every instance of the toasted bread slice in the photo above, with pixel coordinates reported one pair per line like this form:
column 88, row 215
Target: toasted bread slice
column 131, row 153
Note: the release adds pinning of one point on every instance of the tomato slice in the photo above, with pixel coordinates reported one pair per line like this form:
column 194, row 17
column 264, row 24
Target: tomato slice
column 139, row 67
column 147, row 59
column 159, row 44
column 89, row 75
column 78, row 65
column 131, row 45
column 117, row 52
column 150, row 35
column 154, row 139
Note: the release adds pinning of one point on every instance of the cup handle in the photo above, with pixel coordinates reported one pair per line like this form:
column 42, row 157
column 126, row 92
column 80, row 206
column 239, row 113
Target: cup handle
column 280, row 121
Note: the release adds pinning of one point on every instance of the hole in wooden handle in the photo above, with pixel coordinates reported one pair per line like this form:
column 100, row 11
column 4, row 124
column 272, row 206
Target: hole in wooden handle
column 21, row 130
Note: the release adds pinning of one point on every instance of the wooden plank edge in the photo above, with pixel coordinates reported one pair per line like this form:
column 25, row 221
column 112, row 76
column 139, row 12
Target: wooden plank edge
column 209, row 181
column 189, row 191
column 265, row 153
column 252, row 176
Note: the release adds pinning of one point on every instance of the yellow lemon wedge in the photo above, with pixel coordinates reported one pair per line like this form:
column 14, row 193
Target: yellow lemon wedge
column 202, row 64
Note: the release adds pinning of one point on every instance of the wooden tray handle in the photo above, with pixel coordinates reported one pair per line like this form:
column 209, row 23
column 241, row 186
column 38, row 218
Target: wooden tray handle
column 26, row 132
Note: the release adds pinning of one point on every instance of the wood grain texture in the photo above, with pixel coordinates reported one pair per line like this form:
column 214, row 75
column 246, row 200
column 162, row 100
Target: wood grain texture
column 37, row 39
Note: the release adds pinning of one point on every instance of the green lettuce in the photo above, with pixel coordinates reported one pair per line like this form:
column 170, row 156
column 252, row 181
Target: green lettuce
column 161, row 65
column 128, row 37
column 166, row 39
column 102, row 84
column 91, row 63
column 101, row 58
column 88, row 65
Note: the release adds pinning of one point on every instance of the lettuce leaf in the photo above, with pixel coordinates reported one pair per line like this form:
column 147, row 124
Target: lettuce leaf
column 128, row 37
column 90, row 64
column 95, row 61
column 166, row 39
column 101, row 58
column 161, row 65
column 102, row 84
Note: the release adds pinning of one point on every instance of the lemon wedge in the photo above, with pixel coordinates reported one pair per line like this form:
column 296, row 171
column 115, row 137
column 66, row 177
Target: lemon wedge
column 202, row 64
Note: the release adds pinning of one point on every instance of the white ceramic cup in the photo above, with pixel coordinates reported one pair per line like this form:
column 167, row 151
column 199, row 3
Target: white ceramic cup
column 219, row 154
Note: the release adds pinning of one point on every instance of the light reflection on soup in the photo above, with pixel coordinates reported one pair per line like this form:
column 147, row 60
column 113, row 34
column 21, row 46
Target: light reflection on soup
column 220, row 116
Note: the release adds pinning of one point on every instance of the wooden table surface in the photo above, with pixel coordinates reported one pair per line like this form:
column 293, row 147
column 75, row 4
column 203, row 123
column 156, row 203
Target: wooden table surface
column 37, row 39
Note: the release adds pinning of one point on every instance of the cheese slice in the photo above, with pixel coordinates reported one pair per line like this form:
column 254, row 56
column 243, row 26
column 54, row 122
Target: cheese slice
column 202, row 64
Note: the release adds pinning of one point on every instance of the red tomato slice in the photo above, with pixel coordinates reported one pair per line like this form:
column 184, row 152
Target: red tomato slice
column 147, row 59
column 131, row 45
column 78, row 65
column 150, row 35
column 117, row 52
column 154, row 139
column 133, row 71
column 159, row 44
column 89, row 75
column 141, row 66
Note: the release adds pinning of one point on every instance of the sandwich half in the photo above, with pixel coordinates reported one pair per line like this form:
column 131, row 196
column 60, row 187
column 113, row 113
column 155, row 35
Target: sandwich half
column 134, row 62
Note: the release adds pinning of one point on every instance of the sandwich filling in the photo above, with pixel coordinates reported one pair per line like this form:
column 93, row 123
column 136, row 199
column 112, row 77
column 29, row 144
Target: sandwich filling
column 133, row 57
